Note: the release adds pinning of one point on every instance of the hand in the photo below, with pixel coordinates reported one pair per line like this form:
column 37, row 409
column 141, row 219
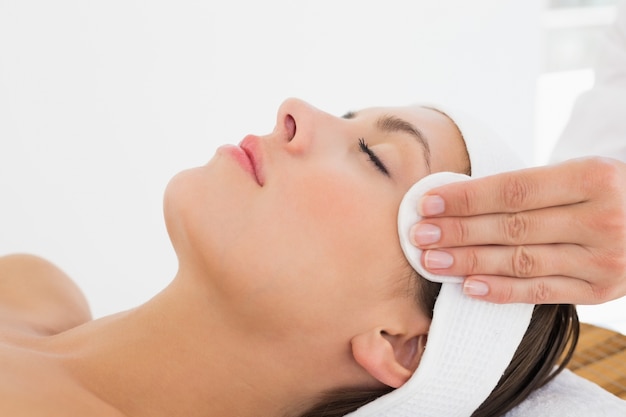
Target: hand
column 554, row 234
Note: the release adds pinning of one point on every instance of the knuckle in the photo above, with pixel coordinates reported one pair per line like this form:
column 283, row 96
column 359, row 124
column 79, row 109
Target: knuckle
column 612, row 265
column 618, row 266
column 605, row 175
column 601, row 295
column 613, row 221
column 467, row 201
column 609, row 221
column 607, row 169
column 472, row 262
column 516, row 193
column 539, row 292
column 461, row 232
column 503, row 294
column 598, row 294
column 515, row 228
column 523, row 264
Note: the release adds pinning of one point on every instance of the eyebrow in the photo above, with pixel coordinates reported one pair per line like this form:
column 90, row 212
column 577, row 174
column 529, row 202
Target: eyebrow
column 391, row 124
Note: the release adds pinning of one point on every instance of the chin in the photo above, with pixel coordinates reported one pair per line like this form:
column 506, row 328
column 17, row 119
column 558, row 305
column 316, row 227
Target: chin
column 185, row 198
column 172, row 197
column 200, row 209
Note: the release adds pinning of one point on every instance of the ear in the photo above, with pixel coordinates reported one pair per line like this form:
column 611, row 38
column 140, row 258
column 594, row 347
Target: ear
column 390, row 358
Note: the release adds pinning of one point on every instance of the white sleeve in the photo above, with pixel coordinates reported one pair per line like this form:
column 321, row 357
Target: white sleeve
column 597, row 125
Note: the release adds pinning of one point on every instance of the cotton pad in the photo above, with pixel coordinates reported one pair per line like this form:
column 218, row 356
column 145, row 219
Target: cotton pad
column 408, row 216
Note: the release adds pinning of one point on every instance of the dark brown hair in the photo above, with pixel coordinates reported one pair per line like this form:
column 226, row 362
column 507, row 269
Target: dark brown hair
column 544, row 351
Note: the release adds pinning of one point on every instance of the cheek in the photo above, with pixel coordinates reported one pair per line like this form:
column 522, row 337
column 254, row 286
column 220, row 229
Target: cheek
column 327, row 202
column 339, row 221
column 336, row 253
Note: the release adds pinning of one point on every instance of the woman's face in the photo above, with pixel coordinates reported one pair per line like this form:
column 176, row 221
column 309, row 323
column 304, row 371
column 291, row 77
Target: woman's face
column 295, row 231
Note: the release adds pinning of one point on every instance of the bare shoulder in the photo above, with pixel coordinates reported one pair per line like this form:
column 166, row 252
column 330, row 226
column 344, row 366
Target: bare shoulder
column 38, row 297
column 34, row 385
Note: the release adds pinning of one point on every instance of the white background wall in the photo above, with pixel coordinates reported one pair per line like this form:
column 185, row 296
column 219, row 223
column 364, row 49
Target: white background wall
column 101, row 102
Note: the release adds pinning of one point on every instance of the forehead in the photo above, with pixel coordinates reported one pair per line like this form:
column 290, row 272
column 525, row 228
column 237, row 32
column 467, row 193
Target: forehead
column 445, row 142
column 415, row 112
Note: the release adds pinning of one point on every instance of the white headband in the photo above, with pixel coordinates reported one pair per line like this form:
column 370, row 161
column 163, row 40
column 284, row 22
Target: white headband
column 470, row 342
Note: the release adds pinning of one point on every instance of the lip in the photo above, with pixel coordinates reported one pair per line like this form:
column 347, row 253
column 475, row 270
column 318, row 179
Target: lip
column 246, row 158
column 251, row 146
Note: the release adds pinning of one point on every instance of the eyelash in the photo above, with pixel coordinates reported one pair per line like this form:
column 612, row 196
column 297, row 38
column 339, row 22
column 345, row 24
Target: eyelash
column 373, row 157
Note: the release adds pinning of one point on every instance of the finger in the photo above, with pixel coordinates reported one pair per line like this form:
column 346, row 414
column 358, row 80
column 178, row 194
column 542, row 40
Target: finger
column 516, row 261
column 567, row 183
column 566, row 224
column 539, row 290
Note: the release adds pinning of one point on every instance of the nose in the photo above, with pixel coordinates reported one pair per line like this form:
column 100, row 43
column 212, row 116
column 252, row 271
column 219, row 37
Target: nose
column 298, row 123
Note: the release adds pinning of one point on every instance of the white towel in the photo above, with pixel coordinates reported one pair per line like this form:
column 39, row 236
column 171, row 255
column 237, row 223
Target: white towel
column 570, row 395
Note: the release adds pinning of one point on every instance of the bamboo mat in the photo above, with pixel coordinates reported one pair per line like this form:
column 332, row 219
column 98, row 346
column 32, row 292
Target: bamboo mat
column 601, row 358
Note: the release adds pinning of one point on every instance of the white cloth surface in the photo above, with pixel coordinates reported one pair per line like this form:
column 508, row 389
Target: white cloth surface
column 570, row 395
column 597, row 125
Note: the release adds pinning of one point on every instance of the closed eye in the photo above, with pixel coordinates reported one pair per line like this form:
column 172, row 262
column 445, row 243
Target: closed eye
column 373, row 157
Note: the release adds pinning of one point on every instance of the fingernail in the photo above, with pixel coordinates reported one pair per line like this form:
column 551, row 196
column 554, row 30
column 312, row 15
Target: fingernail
column 425, row 234
column 431, row 205
column 436, row 259
column 475, row 287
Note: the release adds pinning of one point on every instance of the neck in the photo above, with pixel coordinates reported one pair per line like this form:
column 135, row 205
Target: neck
column 175, row 355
